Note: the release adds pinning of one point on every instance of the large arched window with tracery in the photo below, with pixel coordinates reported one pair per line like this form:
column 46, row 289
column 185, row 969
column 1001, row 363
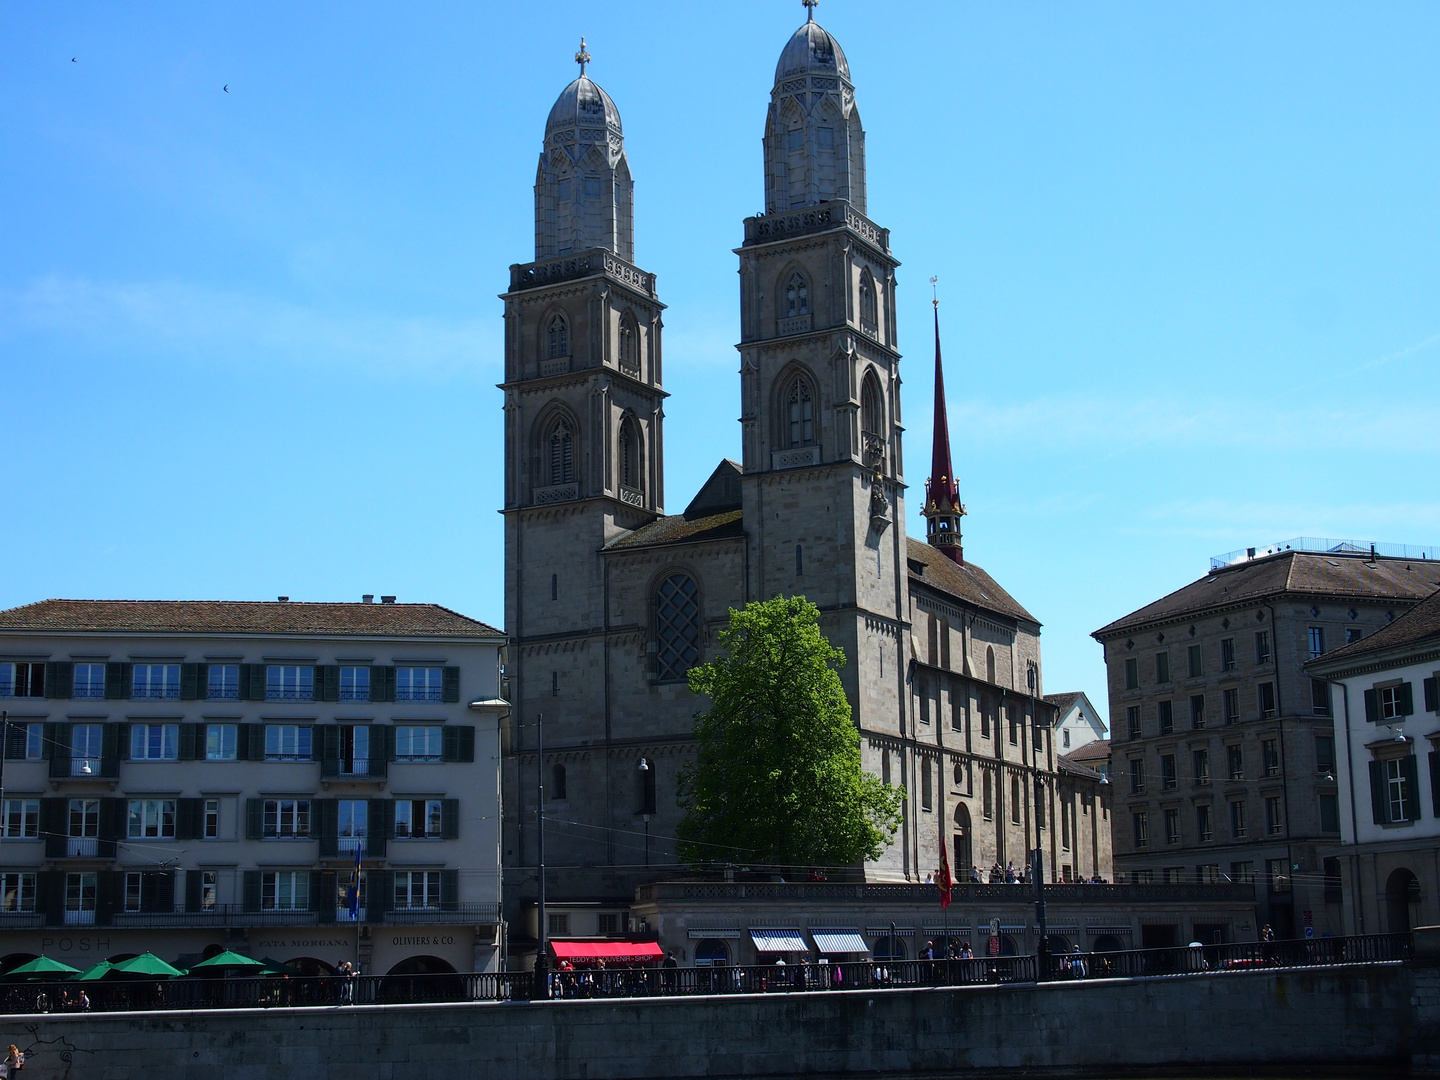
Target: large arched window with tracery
column 557, row 337
column 561, row 450
column 799, row 405
column 797, row 296
column 677, row 627
column 867, row 300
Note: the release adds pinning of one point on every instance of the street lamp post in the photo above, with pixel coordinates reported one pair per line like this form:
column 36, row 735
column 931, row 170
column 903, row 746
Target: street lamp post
column 1037, row 857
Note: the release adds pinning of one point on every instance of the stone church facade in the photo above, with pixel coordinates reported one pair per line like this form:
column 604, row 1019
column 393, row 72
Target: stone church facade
column 610, row 600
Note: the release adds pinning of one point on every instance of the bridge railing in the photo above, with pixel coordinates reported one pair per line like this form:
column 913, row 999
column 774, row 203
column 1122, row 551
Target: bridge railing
column 868, row 975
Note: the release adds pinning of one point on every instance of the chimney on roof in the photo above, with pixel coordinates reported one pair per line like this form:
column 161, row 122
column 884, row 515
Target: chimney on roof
column 943, row 508
column 283, row 599
column 368, row 598
column 387, row 599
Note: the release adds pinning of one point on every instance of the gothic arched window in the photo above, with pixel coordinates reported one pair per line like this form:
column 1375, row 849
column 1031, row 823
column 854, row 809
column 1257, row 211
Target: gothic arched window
column 629, row 346
column 677, row 627
column 872, row 421
column 557, row 337
column 867, row 299
column 561, row 447
column 799, row 414
column 963, row 859
column 797, row 296
column 630, row 463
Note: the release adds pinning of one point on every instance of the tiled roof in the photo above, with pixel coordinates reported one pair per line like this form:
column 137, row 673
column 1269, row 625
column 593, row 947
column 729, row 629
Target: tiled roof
column 1068, row 764
column 966, row 582
column 676, row 530
column 1064, row 702
column 1099, row 750
column 1420, row 623
column 244, row 617
column 1340, row 576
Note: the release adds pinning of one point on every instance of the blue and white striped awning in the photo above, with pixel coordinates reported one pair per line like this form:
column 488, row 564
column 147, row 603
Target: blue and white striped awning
column 776, row 941
column 839, row 939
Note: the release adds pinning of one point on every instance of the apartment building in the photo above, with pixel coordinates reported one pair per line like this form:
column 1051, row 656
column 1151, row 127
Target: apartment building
column 186, row 776
column 1223, row 746
column 1387, row 693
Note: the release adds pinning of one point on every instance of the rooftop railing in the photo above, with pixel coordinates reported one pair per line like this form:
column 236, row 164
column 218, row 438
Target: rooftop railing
column 1319, row 545
column 961, row 893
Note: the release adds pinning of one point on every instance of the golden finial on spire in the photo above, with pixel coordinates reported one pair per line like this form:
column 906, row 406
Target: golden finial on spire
column 582, row 57
column 810, row 9
column 935, row 288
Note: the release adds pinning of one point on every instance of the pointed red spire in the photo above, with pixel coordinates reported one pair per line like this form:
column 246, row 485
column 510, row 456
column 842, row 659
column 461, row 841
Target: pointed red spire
column 943, row 508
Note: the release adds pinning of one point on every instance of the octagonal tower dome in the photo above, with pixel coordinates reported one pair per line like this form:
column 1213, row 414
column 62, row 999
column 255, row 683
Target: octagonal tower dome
column 583, row 191
column 814, row 142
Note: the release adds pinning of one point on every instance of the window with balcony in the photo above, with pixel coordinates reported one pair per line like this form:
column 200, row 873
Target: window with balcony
column 155, row 682
column 797, row 296
column 1227, row 654
column 1200, row 762
column 419, row 684
column 151, row 819
column 289, row 682
column 223, row 682
column 1208, row 874
column 1243, row 873
column 88, row 682
column 1265, row 698
column 285, row 890
column 354, row 750
column 419, row 889
column 220, row 742
column 417, row 743
column 1262, row 646
column 134, row 891
column 352, row 818
column 22, row 680
column 80, row 890
column 154, row 742
column 286, row 819
column 1167, row 771
column 1204, row 825
column 418, row 819
column 354, row 684
column 287, row 742
column 1270, row 756
column 209, row 889
column 20, row 820
column 86, row 749
column 84, row 828
column 17, row 891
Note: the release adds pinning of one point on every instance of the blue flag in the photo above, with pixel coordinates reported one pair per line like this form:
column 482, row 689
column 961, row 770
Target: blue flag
column 352, row 894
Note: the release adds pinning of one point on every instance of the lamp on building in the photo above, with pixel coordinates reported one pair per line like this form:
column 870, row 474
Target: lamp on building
column 645, row 813
column 1400, row 735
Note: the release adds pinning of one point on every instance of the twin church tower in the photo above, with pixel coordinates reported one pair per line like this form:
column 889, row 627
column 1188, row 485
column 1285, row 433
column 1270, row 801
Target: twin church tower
column 609, row 600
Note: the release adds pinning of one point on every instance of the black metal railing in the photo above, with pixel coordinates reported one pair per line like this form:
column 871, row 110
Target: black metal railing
column 864, row 975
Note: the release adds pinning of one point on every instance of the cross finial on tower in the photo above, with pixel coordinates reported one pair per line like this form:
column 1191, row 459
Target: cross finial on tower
column 935, row 288
column 810, row 9
column 582, row 57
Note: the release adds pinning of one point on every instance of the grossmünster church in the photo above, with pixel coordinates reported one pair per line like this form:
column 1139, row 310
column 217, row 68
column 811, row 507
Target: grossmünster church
column 611, row 594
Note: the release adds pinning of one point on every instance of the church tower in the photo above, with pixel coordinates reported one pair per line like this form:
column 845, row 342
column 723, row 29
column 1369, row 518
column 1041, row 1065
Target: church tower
column 584, row 447
column 943, row 508
column 823, row 483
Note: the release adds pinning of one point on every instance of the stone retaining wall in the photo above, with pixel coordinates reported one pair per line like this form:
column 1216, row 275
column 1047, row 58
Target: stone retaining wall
column 1363, row 1019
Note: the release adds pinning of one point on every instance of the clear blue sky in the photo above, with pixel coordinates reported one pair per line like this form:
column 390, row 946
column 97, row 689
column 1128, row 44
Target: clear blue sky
column 1189, row 257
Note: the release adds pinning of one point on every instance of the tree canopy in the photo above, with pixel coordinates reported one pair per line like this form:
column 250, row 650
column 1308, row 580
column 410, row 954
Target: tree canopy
column 778, row 777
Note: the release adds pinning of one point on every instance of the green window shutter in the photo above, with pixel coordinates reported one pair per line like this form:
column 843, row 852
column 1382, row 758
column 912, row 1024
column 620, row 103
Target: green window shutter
column 110, row 894
column 254, row 822
column 242, row 742
column 59, row 679
column 112, row 825
column 189, row 818
column 202, row 681
column 449, row 744
column 192, row 890
column 389, row 742
column 192, row 741
column 1434, row 783
column 324, row 900
column 242, row 692
column 118, row 680
column 1410, row 770
column 254, row 735
column 327, row 682
column 1407, row 699
column 50, row 896
column 57, row 749
column 189, row 682
column 1378, row 802
column 1372, row 706
column 1432, row 698
column 467, row 743
column 329, row 749
column 161, row 892
column 451, row 691
column 257, row 682
column 449, row 819
column 53, row 826
column 14, row 738
column 382, row 748
column 112, row 738
column 449, row 890
column 379, row 893
column 378, row 828
column 326, row 815
column 382, row 683
column 251, row 890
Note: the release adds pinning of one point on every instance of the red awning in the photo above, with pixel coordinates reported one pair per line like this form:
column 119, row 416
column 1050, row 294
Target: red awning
column 629, row 952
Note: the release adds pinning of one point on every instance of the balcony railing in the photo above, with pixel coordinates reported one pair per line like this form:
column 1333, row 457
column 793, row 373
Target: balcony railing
column 155, row 693
column 962, row 893
column 289, row 693
column 21, row 920
column 234, row 915
column 223, row 693
column 93, row 691
column 419, row 693
column 82, row 847
column 350, row 843
column 85, row 766
column 80, row 918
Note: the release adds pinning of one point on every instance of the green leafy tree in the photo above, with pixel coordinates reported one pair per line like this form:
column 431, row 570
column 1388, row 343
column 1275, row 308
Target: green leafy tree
column 778, row 777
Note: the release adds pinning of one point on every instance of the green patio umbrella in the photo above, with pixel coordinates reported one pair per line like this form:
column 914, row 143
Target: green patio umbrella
column 275, row 967
column 91, row 974
column 227, row 961
column 145, row 966
column 40, row 969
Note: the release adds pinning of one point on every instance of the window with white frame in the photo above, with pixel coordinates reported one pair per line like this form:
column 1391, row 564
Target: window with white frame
column 22, row 679
column 223, row 682
column 414, row 742
column 154, row 742
column 209, row 888
column 354, row 684
column 289, row 682
column 134, row 891
column 419, row 683
column 154, row 682
column 1274, row 816
column 21, row 819
column 286, row 819
column 220, row 742
column 84, row 818
column 17, row 891
column 86, row 747
column 151, row 819
column 1397, row 790
column 354, row 749
column 418, row 819
column 24, row 741
column 211, row 824
column 1392, row 701
column 352, row 819
column 89, row 681
column 285, row 890
column 287, row 742
column 80, row 890
column 417, row 889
